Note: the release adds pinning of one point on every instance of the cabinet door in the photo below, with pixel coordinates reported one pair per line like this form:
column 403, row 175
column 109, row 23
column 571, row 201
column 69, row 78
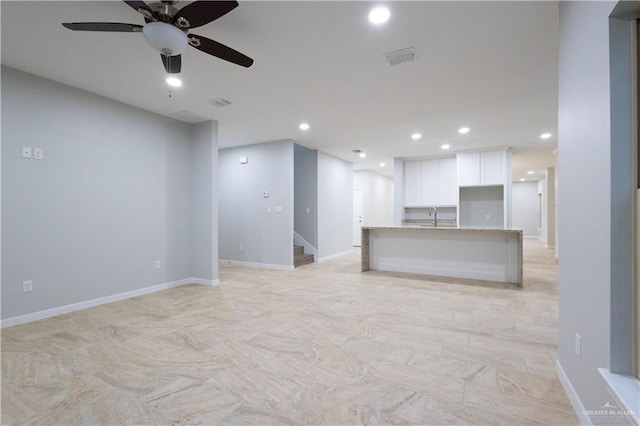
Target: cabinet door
column 468, row 169
column 492, row 166
column 412, row 183
column 447, row 182
column 429, row 183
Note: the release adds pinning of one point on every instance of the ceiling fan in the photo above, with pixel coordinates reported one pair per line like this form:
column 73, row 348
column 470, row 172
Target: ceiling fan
column 167, row 30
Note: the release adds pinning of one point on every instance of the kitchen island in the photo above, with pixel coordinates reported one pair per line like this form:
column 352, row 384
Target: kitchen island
column 473, row 253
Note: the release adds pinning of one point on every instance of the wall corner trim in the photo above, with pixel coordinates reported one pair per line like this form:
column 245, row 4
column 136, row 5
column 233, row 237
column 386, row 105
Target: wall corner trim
column 47, row 313
column 576, row 403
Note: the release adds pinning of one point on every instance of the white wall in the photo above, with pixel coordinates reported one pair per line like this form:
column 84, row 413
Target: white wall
column 244, row 217
column 398, row 191
column 525, row 207
column 584, row 155
column 111, row 196
column 335, row 205
column 378, row 197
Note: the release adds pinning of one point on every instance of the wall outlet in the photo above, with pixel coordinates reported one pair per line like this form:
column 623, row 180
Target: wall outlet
column 38, row 153
column 578, row 345
column 157, row 264
column 26, row 152
column 308, row 210
column 241, row 247
column 27, row 286
column 278, row 209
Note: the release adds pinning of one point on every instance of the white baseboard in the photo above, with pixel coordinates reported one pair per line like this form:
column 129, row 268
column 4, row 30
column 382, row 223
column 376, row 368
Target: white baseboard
column 47, row 313
column 333, row 256
column 578, row 407
column 256, row 264
column 202, row 281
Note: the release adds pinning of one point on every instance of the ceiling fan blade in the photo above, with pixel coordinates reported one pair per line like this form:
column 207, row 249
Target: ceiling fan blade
column 172, row 63
column 103, row 26
column 141, row 7
column 219, row 50
column 200, row 13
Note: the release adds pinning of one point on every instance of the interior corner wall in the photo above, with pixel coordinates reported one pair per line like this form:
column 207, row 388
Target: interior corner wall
column 110, row 198
column 335, row 205
column 204, row 202
column 378, row 197
column 305, row 188
column 525, row 207
column 584, row 152
column 250, row 227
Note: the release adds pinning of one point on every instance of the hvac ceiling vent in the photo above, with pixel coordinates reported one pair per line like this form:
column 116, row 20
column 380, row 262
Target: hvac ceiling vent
column 356, row 151
column 401, row 56
column 220, row 102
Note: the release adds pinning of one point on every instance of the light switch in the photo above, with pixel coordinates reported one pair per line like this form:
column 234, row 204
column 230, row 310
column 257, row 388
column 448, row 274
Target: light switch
column 38, row 153
column 244, row 160
column 308, row 210
column 26, row 152
column 265, row 194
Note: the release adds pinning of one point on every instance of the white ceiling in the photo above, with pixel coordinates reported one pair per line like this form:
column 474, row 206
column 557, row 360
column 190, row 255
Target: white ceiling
column 491, row 66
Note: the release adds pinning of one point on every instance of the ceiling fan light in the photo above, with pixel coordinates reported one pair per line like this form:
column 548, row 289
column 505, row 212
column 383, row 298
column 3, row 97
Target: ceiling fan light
column 165, row 38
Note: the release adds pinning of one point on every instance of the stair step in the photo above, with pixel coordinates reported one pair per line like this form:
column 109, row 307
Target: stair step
column 302, row 260
column 298, row 250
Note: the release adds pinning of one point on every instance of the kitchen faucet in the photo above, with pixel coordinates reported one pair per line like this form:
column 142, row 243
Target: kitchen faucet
column 435, row 216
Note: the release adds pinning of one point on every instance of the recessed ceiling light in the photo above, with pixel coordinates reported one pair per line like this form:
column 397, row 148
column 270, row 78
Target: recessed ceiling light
column 521, row 179
column 463, row 130
column 362, row 155
column 530, row 172
column 545, row 136
column 383, row 164
column 416, row 136
column 379, row 15
column 173, row 81
column 445, row 146
column 304, row 126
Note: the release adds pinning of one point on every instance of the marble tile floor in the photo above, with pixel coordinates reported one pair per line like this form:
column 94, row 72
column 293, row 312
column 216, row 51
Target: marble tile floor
column 322, row 345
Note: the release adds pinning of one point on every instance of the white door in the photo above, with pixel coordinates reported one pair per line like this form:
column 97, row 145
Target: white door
column 358, row 216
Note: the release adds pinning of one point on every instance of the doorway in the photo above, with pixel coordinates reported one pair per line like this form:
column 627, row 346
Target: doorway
column 358, row 216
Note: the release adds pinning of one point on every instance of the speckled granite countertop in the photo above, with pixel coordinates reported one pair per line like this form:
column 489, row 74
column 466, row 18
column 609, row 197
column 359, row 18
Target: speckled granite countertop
column 444, row 228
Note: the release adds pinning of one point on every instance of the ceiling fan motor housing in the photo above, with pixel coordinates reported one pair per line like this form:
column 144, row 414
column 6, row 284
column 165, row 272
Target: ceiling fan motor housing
column 165, row 38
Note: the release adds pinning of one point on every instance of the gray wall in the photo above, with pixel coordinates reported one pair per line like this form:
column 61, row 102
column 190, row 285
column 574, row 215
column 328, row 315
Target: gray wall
column 584, row 152
column 112, row 196
column 525, row 207
column 244, row 219
column 482, row 206
column 335, row 205
column 305, row 188
column 204, row 202
column 378, row 197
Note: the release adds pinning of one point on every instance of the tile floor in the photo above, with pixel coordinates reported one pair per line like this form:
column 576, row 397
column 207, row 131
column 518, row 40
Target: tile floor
column 322, row 345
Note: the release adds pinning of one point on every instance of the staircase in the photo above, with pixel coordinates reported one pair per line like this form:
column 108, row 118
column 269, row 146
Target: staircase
column 299, row 258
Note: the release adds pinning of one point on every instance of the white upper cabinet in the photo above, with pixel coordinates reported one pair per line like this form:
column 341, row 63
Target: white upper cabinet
column 492, row 167
column 469, row 169
column 412, row 183
column 482, row 168
column 430, row 183
column 447, row 182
